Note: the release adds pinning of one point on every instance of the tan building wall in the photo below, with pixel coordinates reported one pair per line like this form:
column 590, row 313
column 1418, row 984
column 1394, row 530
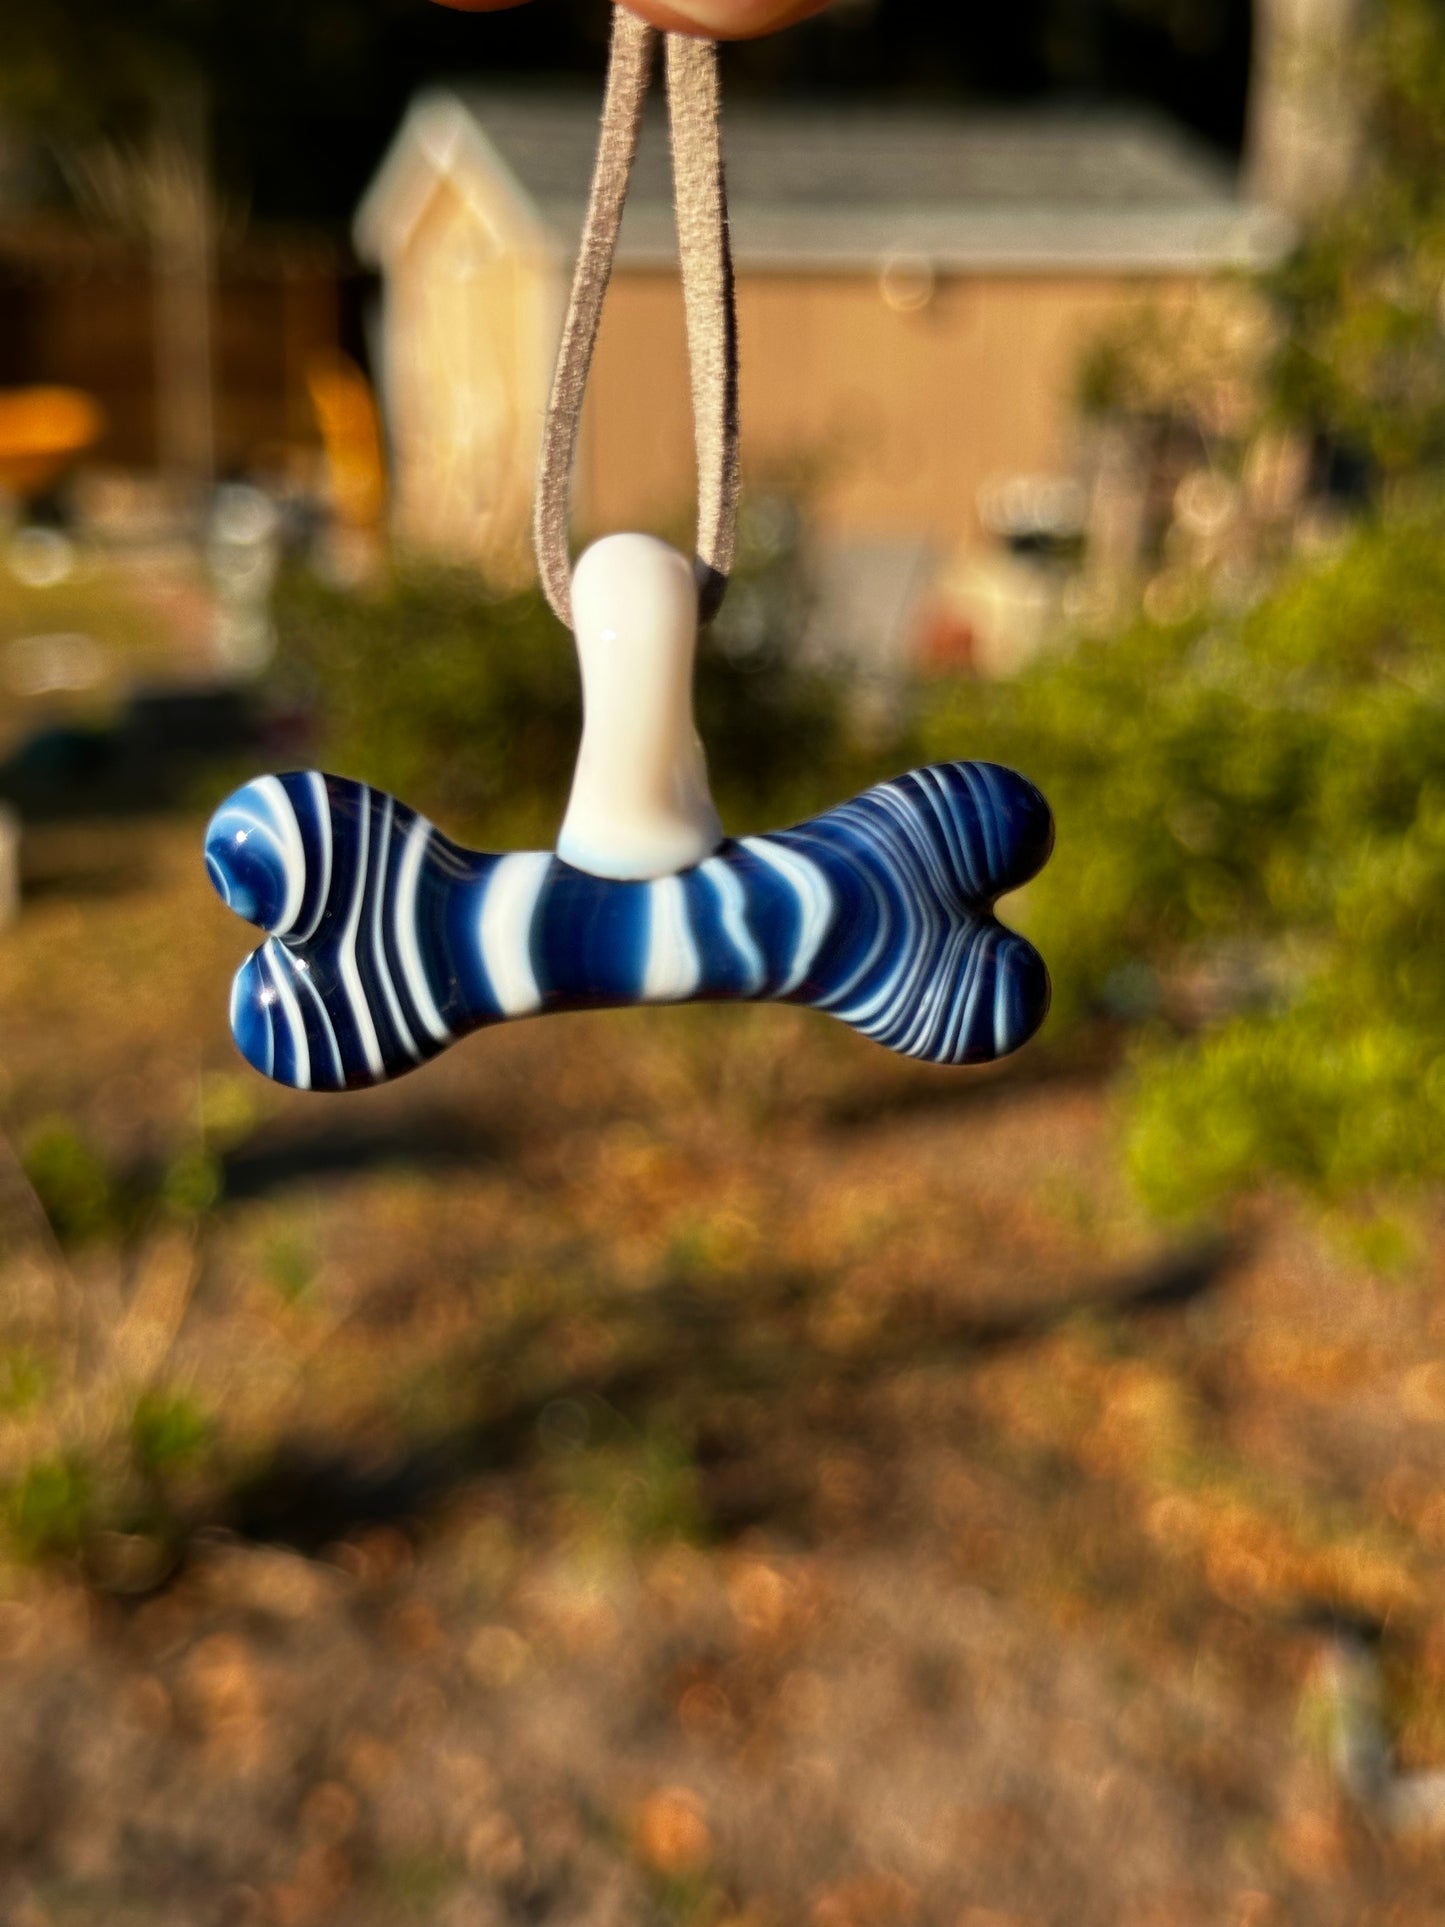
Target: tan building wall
column 890, row 413
column 472, row 314
column 898, row 418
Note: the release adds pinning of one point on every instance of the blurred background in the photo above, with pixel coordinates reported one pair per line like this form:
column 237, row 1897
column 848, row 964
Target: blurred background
column 690, row 1466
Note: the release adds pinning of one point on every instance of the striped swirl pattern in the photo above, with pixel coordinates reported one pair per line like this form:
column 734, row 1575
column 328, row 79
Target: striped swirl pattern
column 387, row 941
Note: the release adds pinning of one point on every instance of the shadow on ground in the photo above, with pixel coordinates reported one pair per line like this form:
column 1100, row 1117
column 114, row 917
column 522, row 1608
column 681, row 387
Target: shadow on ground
column 928, row 1090
column 436, row 1138
column 733, row 1371
column 151, row 757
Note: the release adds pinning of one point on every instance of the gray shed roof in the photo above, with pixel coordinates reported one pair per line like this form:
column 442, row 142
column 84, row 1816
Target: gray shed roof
column 848, row 186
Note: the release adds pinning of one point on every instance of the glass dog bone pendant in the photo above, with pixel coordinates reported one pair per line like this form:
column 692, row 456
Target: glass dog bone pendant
column 387, row 941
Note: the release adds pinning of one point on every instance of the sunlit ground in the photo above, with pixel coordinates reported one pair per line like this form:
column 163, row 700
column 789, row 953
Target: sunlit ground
column 682, row 1466
column 73, row 644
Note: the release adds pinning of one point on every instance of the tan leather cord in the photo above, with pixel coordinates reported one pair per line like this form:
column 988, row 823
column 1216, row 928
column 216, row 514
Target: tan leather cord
column 705, row 253
column 705, row 250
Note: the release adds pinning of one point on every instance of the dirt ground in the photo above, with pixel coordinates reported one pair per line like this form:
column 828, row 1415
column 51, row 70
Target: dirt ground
column 691, row 1467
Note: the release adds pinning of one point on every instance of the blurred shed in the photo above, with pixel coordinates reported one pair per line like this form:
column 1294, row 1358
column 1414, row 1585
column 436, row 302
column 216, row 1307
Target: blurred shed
column 914, row 292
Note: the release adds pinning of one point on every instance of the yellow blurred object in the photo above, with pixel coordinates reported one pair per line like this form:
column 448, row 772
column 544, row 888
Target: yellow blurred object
column 41, row 431
column 351, row 435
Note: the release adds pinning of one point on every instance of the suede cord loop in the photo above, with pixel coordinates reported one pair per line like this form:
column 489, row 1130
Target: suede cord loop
column 705, row 254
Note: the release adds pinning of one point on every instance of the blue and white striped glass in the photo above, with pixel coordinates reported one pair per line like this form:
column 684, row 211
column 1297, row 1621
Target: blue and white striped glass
column 387, row 941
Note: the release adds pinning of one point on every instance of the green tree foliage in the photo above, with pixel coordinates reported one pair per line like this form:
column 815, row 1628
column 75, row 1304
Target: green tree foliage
column 1251, row 804
column 1252, row 831
column 1362, row 301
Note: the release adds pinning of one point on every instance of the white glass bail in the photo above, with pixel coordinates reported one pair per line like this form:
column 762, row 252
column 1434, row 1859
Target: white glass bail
column 640, row 804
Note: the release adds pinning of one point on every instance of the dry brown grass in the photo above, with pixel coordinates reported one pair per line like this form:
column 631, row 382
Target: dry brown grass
column 683, row 1467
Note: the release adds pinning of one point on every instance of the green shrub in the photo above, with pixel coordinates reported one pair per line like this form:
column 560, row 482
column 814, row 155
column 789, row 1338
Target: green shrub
column 77, row 1189
column 117, row 1483
column 49, row 1506
column 462, row 703
column 87, row 1198
column 191, row 1183
column 25, row 1378
column 1251, row 817
column 169, row 1433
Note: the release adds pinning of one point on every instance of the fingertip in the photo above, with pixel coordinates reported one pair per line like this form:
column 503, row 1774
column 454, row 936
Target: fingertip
column 710, row 19
column 726, row 19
